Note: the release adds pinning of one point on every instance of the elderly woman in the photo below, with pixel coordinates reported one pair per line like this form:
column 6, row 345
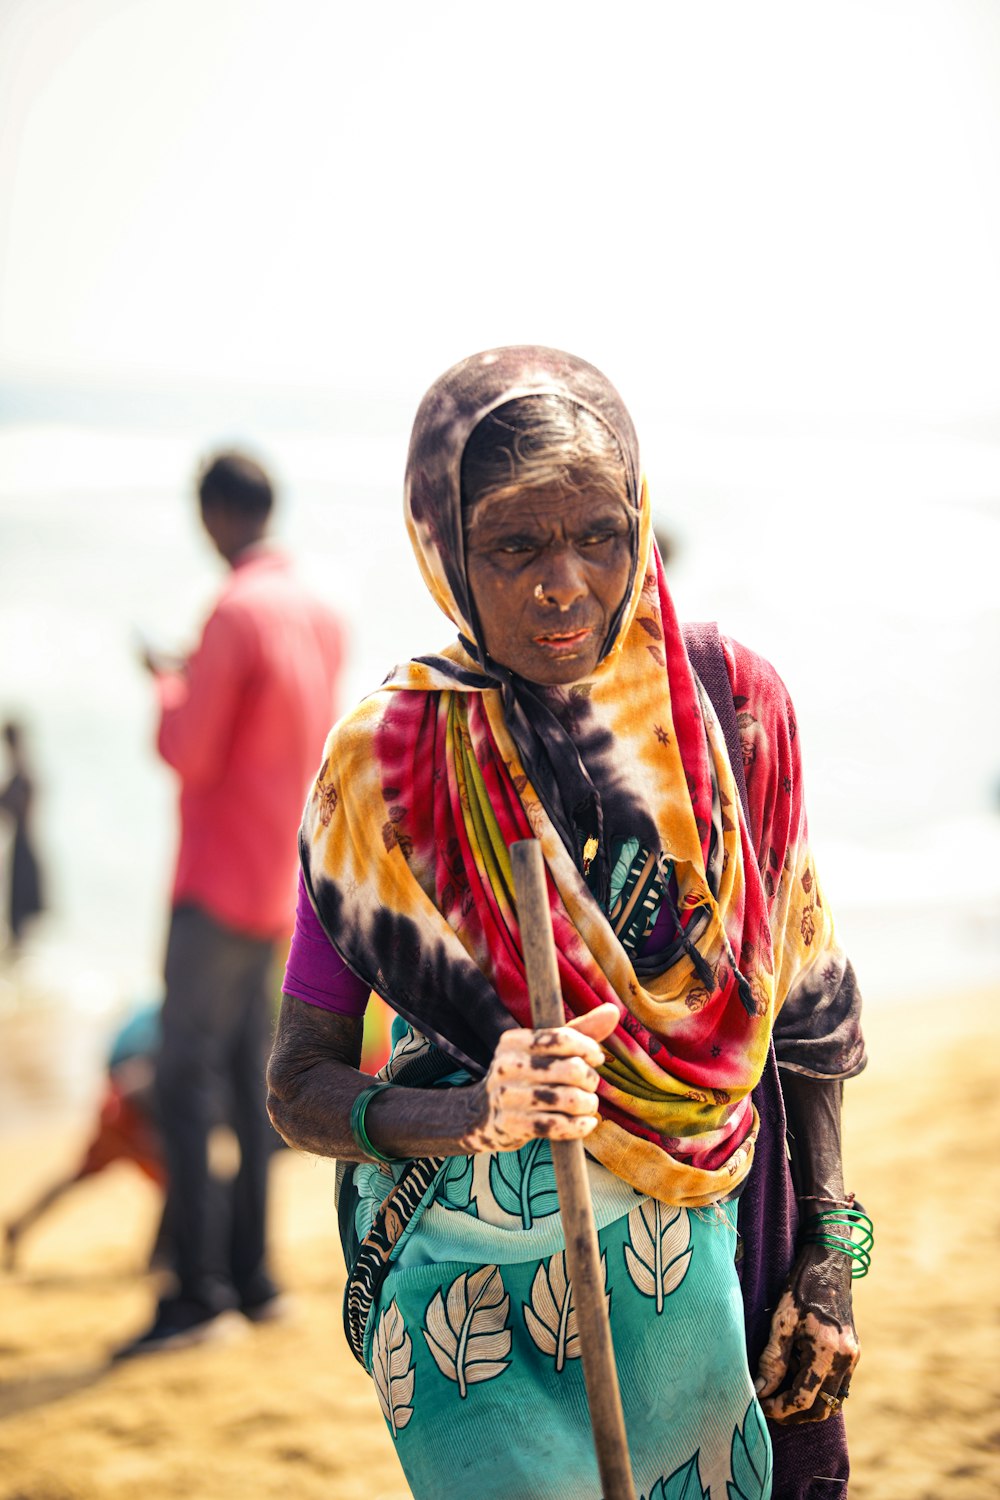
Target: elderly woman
column 694, row 948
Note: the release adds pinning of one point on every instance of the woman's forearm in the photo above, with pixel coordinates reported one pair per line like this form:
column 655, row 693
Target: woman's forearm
column 539, row 1083
column 813, row 1110
column 805, row 1369
column 313, row 1081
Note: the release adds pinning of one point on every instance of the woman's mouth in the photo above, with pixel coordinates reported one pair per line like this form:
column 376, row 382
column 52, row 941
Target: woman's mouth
column 563, row 642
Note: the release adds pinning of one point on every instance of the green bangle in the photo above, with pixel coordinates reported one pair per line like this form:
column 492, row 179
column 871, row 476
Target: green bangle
column 857, row 1242
column 358, row 1110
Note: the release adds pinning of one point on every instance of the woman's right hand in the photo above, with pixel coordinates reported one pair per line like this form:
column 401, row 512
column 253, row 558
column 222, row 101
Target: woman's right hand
column 543, row 1083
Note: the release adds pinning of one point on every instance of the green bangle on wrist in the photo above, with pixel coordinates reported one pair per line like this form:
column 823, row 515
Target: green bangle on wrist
column 358, row 1110
column 848, row 1230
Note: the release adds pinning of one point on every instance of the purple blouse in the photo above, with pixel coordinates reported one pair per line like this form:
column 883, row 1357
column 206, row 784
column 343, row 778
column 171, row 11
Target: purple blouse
column 315, row 971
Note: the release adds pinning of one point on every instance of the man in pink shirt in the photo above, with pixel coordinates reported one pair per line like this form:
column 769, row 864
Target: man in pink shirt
column 243, row 724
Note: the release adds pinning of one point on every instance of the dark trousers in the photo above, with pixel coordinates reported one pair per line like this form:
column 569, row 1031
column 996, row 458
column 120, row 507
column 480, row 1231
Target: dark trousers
column 215, row 1041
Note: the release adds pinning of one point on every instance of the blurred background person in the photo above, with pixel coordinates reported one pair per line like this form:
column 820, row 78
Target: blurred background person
column 125, row 1130
column 243, row 725
column 24, row 890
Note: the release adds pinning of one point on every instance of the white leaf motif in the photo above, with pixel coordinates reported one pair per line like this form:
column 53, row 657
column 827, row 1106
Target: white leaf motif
column 468, row 1335
column 392, row 1368
column 660, row 1250
column 551, row 1316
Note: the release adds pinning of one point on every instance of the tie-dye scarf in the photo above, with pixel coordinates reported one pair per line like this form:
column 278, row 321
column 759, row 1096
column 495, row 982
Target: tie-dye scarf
column 426, row 784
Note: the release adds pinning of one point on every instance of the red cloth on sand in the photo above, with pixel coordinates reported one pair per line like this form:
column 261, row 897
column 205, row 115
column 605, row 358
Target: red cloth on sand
column 124, row 1133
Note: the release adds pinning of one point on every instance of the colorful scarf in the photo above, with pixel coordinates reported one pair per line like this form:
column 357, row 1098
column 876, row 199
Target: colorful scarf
column 428, row 781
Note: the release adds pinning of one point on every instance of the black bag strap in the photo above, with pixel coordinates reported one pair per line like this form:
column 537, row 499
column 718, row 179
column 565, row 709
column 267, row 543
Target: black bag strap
column 704, row 649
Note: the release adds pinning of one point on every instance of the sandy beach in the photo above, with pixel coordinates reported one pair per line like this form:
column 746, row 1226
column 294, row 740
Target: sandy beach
column 284, row 1409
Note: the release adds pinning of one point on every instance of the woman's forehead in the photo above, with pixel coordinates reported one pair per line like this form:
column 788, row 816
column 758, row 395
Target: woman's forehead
column 544, row 505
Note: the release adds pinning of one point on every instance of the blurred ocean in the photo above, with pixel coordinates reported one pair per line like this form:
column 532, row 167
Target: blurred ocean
column 863, row 562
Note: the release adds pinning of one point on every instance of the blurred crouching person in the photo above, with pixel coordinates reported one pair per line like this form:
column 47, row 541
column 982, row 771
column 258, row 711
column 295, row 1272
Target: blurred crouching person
column 124, row 1130
column 243, row 724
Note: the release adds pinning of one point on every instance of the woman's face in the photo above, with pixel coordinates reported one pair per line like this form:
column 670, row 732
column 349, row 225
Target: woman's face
column 547, row 569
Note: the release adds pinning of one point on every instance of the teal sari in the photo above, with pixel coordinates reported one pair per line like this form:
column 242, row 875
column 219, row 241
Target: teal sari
column 463, row 1316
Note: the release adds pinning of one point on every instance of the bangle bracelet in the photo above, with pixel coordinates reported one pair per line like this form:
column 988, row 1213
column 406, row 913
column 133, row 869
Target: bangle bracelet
column 358, row 1111
column 848, row 1230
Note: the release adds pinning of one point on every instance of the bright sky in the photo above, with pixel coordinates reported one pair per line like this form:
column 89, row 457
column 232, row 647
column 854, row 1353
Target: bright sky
column 732, row 208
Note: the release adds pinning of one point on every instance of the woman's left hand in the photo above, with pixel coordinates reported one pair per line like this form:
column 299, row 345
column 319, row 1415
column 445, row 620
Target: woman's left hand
column 805, row 1370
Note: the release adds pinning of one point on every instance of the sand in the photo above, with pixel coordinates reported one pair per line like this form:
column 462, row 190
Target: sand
column 284, row 1409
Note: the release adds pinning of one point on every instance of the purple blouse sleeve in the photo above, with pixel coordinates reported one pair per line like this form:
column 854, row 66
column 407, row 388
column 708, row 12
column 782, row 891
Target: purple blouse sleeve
column 315, row 971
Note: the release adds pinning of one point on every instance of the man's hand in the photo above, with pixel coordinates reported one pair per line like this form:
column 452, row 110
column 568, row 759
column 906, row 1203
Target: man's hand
column 813, row 1348
column 543, row 1083
column 160, row 662
column 155, row 662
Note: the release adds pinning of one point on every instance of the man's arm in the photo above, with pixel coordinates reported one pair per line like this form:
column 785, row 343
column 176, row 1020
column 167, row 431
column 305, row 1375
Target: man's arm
column 198, row 706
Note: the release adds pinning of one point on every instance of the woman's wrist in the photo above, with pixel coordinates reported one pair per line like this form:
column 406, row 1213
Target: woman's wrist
column 822, row 1201
column 845, row 1231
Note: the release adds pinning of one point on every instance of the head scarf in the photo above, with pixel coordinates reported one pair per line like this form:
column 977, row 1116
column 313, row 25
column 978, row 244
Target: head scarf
column 427, row 783
column 448, row 414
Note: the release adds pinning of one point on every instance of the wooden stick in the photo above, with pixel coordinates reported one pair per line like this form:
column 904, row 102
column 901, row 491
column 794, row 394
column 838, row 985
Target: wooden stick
column 583, row 1255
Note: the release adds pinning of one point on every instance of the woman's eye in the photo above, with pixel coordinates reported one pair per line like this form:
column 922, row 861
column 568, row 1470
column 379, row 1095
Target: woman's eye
column 597, row 538
column 512, row 548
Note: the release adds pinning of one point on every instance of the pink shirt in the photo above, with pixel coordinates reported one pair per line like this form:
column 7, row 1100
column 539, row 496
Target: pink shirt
column 244, row 727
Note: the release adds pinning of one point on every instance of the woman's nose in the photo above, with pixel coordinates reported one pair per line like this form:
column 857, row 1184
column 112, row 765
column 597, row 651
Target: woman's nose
column 564, row 579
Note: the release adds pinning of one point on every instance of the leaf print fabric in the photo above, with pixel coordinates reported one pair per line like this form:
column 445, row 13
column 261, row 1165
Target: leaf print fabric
column 454, row 1189
column 499, row 1406
column 466, row 1330
column 659, row 1251
column 683, row 1484
column 751, row 1458
column 524, row 1182
column 392, row 1369
column 550, row 1316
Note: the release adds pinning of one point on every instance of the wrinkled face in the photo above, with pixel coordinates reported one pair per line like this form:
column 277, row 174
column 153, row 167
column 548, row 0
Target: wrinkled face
column 547, row 569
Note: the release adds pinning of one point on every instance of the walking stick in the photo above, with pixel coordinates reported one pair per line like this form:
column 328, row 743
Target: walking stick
column 583, row 1255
